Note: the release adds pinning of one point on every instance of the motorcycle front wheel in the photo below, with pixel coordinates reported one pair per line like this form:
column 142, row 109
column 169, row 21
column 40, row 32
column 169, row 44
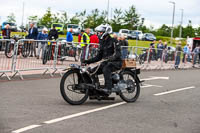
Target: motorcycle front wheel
column 132, row 93
column 70, row 90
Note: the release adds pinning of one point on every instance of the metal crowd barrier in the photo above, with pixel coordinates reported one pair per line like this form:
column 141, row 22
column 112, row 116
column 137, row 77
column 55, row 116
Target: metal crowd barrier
column 62, row 53
column 6, row 53
column 153, row 58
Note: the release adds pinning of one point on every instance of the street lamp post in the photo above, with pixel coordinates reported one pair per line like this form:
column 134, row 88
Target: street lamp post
column 108, row 11
column 181, row 23
column 172, row 29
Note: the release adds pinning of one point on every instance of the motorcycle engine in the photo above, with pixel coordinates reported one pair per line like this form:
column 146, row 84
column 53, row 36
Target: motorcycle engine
column 115, row 78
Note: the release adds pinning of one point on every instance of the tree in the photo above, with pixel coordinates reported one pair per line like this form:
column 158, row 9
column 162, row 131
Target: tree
column 164, row 30
column 95, row 18
column 117, row 20
column 33, row 18
column 189, row 30
column 11, row 18
column 75, row 19
column 47, row 19
column 55, row 18
column 64, row 18
column 131, row 18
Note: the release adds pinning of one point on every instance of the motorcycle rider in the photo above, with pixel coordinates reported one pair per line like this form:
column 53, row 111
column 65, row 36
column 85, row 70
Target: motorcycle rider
column 110, row 51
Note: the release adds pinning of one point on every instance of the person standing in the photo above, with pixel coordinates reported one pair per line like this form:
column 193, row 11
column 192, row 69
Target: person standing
column 124, row 47
column 185, row 51
column 6, row 32
column 178, row 55
column 85, row 42
column 53, row 34
column 32, row 34
column 160, row 48
column 152, row 51
column 94, row 40
column 41, row 46
column 80, row 35
column 196, row 53
column 69, row 37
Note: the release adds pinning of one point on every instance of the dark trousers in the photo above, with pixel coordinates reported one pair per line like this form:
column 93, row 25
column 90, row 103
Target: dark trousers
column 177, row 61
column 106, row 68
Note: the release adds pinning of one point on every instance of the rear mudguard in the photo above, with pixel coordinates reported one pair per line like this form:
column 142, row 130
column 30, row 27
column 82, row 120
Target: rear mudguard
column 136, row 72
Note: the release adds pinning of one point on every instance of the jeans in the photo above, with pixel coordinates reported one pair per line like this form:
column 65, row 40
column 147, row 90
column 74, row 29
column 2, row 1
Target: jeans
column 124, row 53
column 41, row 46
column 177, row 61
column 195, row 59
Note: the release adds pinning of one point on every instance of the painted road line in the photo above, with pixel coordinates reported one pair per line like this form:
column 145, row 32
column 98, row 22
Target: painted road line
column 25, row 128
column 155, row 78
column 177, row 90
column 67, row 117
column 148, row 85
column 82, row 113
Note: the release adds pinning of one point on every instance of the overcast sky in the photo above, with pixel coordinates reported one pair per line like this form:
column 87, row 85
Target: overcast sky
column 155, row 12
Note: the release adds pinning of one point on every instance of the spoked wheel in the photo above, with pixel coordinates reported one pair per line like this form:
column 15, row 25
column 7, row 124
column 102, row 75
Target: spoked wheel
column 132, row 93
column 70, row 88
column 9, row 50
column 25, row 50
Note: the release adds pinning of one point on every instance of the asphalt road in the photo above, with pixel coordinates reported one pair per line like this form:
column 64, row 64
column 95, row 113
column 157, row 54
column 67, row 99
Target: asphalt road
column 27, row 106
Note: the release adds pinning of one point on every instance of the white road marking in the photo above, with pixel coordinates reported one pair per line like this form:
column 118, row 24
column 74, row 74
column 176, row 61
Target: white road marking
column 177, row 90
column 83, row 113
column 25, row 128
column 68, row 117
column 155, row 78
column 148, row 85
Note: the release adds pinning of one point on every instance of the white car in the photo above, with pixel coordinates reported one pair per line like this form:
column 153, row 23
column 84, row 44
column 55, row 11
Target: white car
column 124, row 32
column 139, row 34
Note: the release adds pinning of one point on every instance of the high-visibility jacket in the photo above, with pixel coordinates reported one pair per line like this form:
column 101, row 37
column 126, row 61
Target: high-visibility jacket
column 87, row 40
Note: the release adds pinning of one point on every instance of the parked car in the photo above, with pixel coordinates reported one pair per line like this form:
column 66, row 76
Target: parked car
column 132, row 35
column 13, row 26
column 139, row 34
column 148, row 37
column 75, row 27
column 59, row 27
column 124, row 32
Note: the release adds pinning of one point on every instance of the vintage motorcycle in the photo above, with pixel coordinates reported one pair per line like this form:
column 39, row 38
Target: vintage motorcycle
column 80, row 82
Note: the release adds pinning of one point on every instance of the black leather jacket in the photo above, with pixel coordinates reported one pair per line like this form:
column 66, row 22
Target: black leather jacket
column 110, row 50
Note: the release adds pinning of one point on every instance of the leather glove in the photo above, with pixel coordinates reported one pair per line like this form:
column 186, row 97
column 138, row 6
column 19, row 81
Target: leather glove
column 86, row 62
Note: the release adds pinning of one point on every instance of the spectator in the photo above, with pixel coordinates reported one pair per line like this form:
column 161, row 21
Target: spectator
column 185, row 51
column 160, row 48
column 53, row 34
column 178, row 54
column 94, row 44
column 32, row 34
column 41, row 46
column 189, row 54
column 124, row 47
column 153, row 51
column 6, row 32
column 196, row 52
column 80, row 35
column 85, row 42
column 95, row 40
column 69, row 37
column 115, row 37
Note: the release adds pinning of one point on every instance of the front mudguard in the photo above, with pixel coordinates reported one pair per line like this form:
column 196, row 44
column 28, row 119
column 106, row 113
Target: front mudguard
column 86, row 77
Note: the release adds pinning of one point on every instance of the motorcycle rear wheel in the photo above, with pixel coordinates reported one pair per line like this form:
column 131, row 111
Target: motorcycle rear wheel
column 132, row 93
